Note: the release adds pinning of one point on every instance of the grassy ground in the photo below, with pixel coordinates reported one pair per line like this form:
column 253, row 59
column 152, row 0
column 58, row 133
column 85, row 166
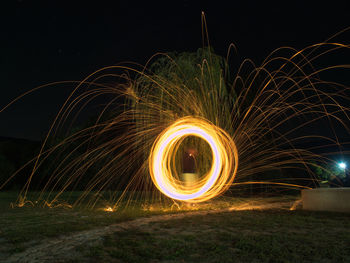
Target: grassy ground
column 23, row 227
column 238, row 236
column 273, row 235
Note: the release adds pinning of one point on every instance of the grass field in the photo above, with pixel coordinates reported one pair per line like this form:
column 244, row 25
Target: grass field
column 242, row 236
column 273, row 234
column 25, row 226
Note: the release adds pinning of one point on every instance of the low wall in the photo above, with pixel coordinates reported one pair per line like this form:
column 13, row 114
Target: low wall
column 326, row 199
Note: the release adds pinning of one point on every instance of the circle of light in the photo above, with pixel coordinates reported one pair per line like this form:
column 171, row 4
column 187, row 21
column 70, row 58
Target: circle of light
column 221, row 173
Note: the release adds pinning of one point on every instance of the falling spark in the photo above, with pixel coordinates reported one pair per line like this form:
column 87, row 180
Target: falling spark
column 108, row 209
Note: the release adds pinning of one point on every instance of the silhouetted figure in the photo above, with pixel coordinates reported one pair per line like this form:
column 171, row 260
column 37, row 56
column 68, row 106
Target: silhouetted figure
column 189, row 167
column 189, row 161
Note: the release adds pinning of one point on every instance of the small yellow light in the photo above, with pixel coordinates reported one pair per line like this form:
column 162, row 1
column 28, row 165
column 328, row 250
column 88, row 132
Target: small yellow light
column 108, row 209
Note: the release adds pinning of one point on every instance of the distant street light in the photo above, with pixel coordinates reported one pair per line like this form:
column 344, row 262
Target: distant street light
column 342, row 165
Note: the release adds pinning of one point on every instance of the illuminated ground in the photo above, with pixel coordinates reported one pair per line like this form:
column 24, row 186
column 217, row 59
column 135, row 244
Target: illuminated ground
column 243, row 230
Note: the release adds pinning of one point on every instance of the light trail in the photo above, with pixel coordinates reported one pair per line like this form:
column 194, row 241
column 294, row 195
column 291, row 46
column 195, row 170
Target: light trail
column 220, row 175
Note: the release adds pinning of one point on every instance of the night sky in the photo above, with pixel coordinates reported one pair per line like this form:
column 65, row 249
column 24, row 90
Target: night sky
column 43, row 42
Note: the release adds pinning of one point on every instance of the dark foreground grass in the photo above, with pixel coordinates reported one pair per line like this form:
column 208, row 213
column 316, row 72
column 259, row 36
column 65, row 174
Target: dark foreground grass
column 238, row 236
column 26, row 226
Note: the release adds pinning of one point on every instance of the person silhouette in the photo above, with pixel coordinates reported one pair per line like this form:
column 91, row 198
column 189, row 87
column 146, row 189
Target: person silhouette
column 189, row 161
column 189, row 166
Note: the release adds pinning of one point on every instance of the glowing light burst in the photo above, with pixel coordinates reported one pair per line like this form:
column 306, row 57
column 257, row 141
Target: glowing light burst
column 108, row 209
column 342, row 165
column 220, row 175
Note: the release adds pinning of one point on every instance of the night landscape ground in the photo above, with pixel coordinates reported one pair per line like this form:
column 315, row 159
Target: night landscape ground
column 195, row 151
column 241, row 230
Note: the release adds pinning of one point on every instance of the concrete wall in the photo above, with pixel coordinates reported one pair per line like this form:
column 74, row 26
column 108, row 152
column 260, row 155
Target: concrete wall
column 326, row 199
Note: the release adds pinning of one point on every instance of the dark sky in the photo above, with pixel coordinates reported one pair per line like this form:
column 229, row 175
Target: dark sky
column 47, row 41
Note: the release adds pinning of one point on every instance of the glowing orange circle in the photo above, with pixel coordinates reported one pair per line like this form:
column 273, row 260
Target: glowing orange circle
column 221, row 173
